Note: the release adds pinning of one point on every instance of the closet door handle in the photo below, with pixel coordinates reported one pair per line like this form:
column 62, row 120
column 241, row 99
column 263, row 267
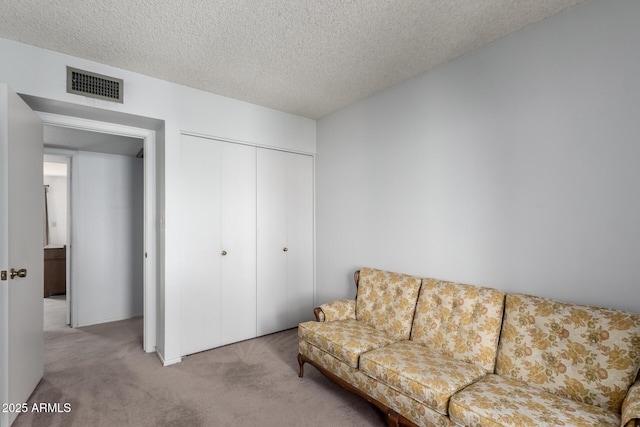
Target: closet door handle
column 223, row 253
column 285, row 249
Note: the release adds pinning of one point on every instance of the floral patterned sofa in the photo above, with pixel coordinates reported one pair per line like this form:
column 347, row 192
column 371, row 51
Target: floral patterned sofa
column 436, row 353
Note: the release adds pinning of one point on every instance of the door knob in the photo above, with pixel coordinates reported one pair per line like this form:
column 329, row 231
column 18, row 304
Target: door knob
column 285, row 249
column 20, row 273
column 224, row 253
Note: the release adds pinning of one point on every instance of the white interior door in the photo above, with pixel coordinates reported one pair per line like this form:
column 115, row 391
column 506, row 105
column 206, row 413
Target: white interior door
column 300, row 261
column 218, row 188
column 285, row 240
column 238, row 241
column 273, row 304
column 201, row 253
column 21, row 248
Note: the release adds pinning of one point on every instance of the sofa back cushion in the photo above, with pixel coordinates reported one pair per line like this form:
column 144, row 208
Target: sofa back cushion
column 461, row 321
column 588, row 354
column 387, row 301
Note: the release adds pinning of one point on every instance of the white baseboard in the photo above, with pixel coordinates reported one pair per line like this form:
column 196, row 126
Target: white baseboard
column 168, row 362
column 107, row 320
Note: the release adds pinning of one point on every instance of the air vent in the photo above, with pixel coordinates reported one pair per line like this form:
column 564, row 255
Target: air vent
column 94, row 85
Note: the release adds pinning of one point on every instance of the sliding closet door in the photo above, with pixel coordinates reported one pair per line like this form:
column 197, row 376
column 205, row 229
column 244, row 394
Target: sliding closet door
column 285, row 240
column 218, row 232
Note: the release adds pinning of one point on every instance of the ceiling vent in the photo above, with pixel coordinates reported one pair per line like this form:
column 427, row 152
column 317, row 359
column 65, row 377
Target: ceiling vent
column 94, row 85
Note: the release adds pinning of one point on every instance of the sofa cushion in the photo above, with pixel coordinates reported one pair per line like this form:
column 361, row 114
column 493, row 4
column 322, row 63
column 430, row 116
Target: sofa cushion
column 387, row 301
column 587, row 354
column 419, row 372
column 461, row 321
column 410, row 408
column 346, row 340
column 499, row 401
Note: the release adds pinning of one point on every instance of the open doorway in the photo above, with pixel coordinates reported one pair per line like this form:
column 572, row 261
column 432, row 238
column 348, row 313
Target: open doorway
column 102, row 179
column 106, row 227
column 105, row 121
column 55, row 239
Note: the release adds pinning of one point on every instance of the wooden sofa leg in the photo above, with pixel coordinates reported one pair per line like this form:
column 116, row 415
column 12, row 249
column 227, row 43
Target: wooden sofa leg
column 393, row 418
column 301, row 363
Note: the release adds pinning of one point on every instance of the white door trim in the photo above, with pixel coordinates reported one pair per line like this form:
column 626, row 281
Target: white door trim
column 150, row 215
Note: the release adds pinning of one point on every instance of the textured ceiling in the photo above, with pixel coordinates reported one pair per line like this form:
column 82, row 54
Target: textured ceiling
column 306, row 57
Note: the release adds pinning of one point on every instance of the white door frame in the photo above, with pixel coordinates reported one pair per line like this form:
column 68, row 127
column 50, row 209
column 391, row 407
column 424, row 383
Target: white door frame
column 150, row 216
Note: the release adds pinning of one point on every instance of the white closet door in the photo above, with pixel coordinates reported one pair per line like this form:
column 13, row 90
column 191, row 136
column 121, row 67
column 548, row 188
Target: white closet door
column 218, row 232
column 300, row 265
column 200, row 249
column 238, row 242
column 272, row 307
column 285, row 240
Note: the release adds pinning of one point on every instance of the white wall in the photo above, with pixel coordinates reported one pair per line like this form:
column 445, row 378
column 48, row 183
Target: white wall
column 107, row 234
column 57, row 209
column 42, row 73
column 516, row 166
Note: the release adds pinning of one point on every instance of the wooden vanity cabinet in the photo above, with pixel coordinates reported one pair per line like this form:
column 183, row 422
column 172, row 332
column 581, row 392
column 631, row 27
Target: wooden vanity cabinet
column 55, row 271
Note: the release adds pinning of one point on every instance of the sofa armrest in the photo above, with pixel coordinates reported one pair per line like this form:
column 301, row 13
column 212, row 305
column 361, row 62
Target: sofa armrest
column 336, row 310
column 631, row 406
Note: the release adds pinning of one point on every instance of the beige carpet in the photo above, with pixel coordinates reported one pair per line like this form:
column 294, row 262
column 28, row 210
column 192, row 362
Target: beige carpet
column 107, row 380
